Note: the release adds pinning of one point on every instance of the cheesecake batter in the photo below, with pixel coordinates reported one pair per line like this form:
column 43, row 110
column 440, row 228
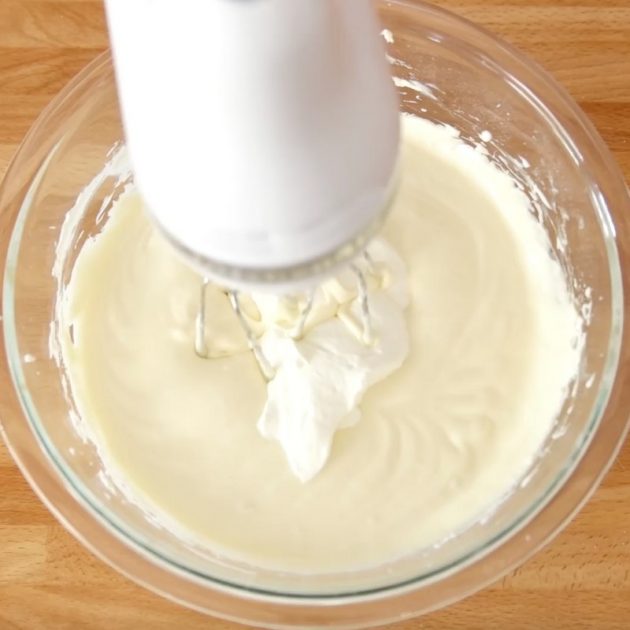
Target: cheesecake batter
column 493, row 344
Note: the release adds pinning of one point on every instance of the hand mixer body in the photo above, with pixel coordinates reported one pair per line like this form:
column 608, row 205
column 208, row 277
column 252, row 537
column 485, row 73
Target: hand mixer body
column 263, row 133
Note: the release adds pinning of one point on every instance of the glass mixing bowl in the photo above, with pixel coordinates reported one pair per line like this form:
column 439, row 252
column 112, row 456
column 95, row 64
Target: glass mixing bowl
column 448, row 71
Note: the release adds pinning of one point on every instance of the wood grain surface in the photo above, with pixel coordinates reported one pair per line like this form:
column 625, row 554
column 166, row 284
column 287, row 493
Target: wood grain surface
column 581, row 580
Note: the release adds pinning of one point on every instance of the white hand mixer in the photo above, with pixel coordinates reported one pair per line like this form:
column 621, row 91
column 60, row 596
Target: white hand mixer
column 263, row 135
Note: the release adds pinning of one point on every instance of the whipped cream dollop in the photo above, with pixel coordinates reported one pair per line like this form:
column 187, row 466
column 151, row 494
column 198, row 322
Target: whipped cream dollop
column 320, row 379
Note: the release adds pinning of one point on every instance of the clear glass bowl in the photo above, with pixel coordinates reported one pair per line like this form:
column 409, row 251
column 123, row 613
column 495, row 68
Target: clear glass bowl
column 468, row 79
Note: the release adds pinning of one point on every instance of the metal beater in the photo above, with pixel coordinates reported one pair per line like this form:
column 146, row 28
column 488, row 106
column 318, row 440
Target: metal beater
column 365, row 334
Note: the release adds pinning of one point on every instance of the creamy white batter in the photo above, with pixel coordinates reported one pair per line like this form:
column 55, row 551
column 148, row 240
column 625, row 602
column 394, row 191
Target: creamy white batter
column 494, row 343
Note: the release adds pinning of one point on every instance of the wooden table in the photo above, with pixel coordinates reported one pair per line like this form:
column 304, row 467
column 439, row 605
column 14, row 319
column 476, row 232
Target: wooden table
column 582, row 580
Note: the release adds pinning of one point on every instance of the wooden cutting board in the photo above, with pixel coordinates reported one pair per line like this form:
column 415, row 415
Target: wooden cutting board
column 581, row 580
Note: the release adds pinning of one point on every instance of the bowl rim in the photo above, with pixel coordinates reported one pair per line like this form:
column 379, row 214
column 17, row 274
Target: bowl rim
column 573, row 488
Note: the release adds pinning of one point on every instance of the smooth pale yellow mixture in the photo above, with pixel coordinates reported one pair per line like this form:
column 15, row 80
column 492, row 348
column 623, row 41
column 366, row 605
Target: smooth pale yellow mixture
column 494, row 344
